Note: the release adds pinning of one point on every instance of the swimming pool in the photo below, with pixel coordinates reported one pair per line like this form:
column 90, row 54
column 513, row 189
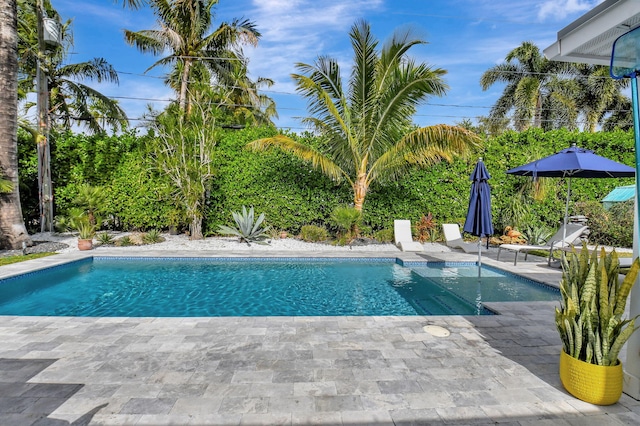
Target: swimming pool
column 171, row 287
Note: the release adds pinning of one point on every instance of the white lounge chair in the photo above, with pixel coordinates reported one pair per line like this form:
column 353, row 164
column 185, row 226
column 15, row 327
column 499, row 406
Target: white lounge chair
column 403, row 238
column 556, row 242
column 453, row 238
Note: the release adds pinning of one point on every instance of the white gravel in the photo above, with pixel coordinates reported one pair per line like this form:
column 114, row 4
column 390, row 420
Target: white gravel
column 182, row 242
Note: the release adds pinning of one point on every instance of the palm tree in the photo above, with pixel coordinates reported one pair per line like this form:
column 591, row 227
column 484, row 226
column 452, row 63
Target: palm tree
column 243, row 101
column 195, row 56
column 366, row 132
column 526, row 73
column 596, row 93
column 12, row 226
column 70, row 100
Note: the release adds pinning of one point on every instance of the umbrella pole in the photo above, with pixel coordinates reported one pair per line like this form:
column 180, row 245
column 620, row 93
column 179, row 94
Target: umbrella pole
column 479, row 255
column 566, row 212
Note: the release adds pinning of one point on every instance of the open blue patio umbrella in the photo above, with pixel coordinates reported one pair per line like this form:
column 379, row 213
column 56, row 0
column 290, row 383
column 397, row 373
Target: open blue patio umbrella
column 479, row 221
column 573, row 162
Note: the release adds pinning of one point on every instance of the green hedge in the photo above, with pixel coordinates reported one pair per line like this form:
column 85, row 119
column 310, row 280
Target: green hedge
column 292, row 194
column 287, row 190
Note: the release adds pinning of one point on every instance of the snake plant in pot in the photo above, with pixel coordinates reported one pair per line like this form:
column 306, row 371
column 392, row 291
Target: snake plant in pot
column 591, row 326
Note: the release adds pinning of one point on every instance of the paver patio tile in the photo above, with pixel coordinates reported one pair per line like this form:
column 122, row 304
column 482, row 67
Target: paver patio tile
column 268, row 419
column 243, row 405
column 270, row 389
column 425, row 400
column 319, row 419
column 196, row 405
column 292, row 376
column 465, row 415
column 387, row 401
column 148, row 406
column 359, row 418
column 170, row 390
column 406, row 417
column 399, row 386
column 473, row 398
column 291, row 404
column 254, row 377
column 142, row 390
column 314, row 388
column 338, row 403
column 115, row 419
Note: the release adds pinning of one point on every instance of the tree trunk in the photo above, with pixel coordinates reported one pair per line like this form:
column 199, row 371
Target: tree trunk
column 360, row 188
column 12, row 226
column 45, row 190
column 537, row 119
column 196, row 229
column 183, row 85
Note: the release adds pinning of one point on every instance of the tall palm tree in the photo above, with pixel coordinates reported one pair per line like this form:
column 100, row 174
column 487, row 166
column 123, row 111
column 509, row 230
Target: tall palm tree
column 597, row 93
column 366, row 132
column 195, row 54
column 70, row 100
column 526, row 73
column 14, row 233
column 243, row 101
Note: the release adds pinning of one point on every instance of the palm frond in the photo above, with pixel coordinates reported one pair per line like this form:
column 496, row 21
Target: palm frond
column 424, row 147
column 304, row 152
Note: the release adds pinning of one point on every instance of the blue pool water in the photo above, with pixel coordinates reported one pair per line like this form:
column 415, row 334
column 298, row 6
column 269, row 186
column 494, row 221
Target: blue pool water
column 108, row 287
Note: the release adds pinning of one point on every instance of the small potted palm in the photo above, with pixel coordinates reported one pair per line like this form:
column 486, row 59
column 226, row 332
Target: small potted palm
column 85, row 216
column 86, row 232
column 591, row 326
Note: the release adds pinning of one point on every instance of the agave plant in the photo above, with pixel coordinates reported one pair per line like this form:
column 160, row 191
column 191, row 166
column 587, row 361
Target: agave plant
column 248, row 230
column 593, row 301
column 536, row 235
column 152, row 237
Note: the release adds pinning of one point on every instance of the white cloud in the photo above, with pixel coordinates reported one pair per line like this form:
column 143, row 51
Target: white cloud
column 559, row 9
column 300, row 30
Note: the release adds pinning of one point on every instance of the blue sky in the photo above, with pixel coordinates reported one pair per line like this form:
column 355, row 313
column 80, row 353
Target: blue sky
column 465, row 37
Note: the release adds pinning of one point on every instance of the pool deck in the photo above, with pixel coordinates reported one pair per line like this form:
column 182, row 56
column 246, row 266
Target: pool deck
column 500, row 369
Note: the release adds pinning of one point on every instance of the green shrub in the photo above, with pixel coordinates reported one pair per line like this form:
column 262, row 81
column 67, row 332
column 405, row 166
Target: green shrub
column 104, row 238
column 287, row 190
column 152, row 237
column 536, row 235
column 124, row 241
column 613, row 227
column 346, row 219
column 138, row 197
column 621, row 229
column 313, row 233
column 384, row 235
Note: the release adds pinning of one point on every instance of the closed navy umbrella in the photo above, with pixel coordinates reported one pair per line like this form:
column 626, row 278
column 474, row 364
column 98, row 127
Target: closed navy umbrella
column 479, row 222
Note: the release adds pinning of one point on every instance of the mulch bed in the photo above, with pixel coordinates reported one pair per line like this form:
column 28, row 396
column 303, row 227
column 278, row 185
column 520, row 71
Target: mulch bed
column 37, row 247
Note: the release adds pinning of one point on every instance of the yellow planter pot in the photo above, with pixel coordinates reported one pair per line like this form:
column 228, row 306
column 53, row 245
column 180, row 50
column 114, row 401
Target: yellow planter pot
column 596, row 384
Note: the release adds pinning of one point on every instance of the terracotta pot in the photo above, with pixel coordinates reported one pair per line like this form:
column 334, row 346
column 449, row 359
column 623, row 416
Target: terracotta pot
column 283, row 234
column 85, row 244
column 596, row 384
